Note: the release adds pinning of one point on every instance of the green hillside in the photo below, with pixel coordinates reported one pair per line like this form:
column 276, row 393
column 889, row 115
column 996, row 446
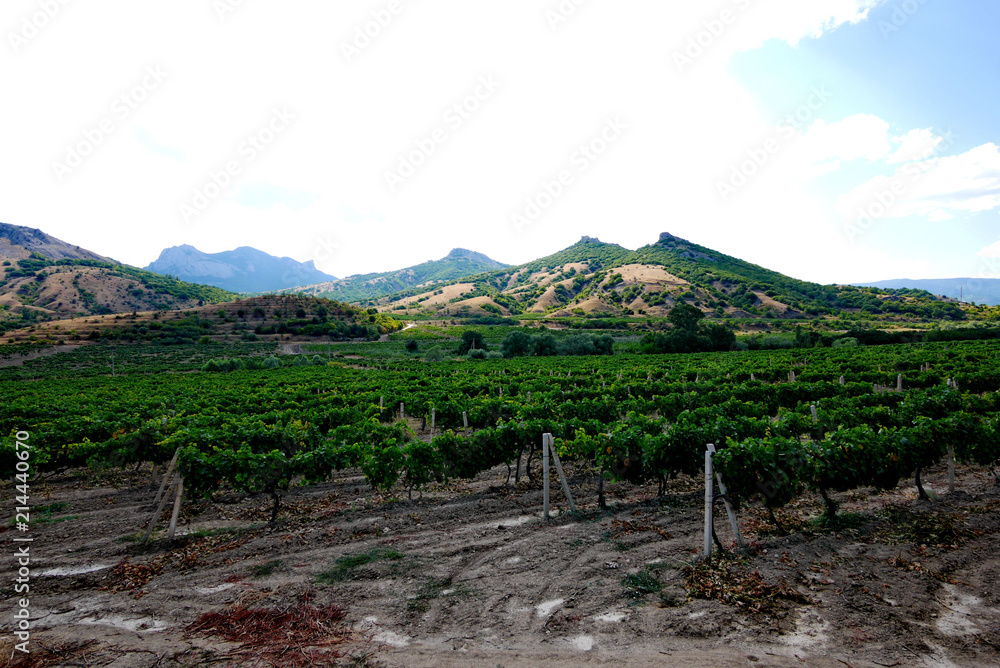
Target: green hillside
column 363, row 288
column 593, row 278
column 38, row 289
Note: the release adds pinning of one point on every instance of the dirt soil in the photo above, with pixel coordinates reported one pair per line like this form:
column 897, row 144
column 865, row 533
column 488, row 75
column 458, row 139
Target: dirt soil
column 470, row 575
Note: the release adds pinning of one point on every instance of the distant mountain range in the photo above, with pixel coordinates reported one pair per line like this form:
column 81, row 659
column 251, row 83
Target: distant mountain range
column 242, row 270
column 457, row 264
column 43, row 278
column 969, row 290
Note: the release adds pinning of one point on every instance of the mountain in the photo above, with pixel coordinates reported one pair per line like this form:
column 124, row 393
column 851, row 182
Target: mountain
column 458, row 264
column 593, row 278
column 17, row 243
column 969, row 290
column 242, row 270
column 43, row 278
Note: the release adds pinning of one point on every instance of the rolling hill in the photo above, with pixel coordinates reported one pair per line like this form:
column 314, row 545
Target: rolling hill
column 43, row 278
column 244, row 269
column 365, row 288
column 593, row 278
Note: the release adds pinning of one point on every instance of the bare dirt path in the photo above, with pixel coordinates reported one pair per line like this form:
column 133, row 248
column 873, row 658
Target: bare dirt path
column 471, row 576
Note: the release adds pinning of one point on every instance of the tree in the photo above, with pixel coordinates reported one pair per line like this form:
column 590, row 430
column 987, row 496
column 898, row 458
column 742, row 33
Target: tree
column 471, row 339
column 545, row 345
column 685, row 317
column 516, row 344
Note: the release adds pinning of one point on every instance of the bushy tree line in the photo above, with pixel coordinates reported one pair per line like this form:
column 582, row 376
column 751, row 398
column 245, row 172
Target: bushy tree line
column 522, row 344
column 689, row 334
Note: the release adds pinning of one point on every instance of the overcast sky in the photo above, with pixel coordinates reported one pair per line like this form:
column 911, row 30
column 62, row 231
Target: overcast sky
column 832, row 140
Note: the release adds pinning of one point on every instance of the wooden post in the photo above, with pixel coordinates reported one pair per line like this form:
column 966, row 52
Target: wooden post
column 166, row 477
column 156, row 516
column 951, row 468
column 753, row 377
column 545, row 475
column 815, row 416
column 381, row 404
column 177, row 507
column 841, row 380
column 729, row 507
column 899, row 383
column 465, row 421
column 709, row 498
column 433, row 419
column 562, row 478
column 402, row 411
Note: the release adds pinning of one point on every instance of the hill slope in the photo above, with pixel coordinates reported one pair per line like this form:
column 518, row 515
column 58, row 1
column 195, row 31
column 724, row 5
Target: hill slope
column 978, row 290
column 458, row 264
column 244, row 269
column 43, row 278
column 270, row 318
column 18, row 243
column 596, row 278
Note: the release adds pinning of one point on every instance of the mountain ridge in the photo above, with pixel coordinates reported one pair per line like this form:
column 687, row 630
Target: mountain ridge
column 243, row 269
column 366, row 288
column 594, row 278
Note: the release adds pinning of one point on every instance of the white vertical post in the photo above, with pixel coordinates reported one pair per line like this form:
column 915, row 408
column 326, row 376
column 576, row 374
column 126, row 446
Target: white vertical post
column 708, row 504
column 402, row 410
column 433, row 416
column 815, row 416
column 465, row 421
column 899, row 383
column 545, row 475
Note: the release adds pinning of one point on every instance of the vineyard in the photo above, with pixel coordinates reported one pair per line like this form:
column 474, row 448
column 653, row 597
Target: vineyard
column 793, row 429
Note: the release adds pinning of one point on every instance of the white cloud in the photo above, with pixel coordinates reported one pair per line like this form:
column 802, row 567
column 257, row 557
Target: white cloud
column 939, row 188
column 319, row 189
column 795, row 20
column 825, row 146
column 992, row 251
column 915, row 145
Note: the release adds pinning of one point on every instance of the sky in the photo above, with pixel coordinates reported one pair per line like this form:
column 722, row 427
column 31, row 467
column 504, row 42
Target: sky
column 835, row 141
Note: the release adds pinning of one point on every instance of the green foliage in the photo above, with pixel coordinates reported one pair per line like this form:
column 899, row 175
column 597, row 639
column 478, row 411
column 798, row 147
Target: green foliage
column 471, row 340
